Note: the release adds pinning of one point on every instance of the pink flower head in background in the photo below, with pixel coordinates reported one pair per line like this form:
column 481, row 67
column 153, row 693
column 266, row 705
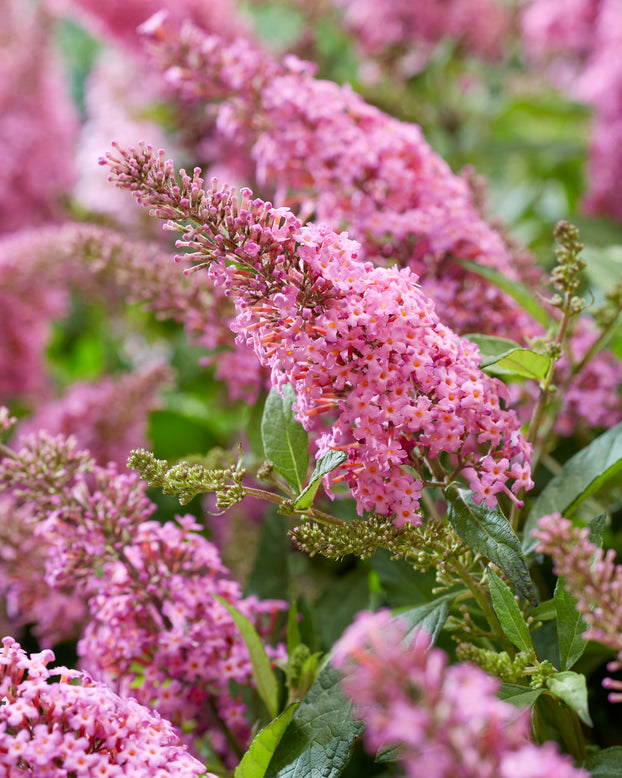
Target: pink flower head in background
column 38, row 122
column 579, row 41
column 407, row 31
column 592, row 577
column 109, row 418
column 446, row 721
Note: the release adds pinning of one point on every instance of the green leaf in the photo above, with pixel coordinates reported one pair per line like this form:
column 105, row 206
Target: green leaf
column 403, row 587
column 502, row 356
column 340, row 602
column 521, row 696
column 256, row 760
column 520, row 293
column 269, row 578
column 430, row 616
column 490, row 347
column 324, row 466
column 509, row 613
column 319, row 738
column 263, row 675
column 606, row 763
column 285, row 442
column 582, row 475
column 571, row 688
column 489, row 532
column 597, row 529
column 603, row 266
column 546, row 611
column 570, row 626
column 522, row 362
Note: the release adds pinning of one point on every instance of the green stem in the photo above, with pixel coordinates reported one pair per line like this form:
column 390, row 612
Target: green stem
column 314, row 513
column 480, row 598
column 230, row 737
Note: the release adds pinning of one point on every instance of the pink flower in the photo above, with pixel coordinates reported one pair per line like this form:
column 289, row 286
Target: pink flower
column 307, row 283
column 445, row 721
column 61, row 720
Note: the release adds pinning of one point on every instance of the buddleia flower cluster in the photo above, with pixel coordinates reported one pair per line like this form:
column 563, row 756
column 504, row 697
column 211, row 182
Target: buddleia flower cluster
column 444, row 721
column 59, row 722
column 144, row 594
column 375, row 372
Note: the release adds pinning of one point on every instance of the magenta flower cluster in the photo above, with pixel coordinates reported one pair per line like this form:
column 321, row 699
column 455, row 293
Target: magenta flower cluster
column 360, row 344
column 445, row 721
column 580, row 39
column 58, row 722
column 145, row 592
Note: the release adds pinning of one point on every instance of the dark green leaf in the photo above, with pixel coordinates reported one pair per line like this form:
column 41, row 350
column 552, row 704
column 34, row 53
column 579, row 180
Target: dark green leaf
column 509, row 613
column 523, row 296
column 582, row 475
column 521, row 696
column 263, row 675
column 324, row 466
column 489, row 532
column 285, row 442
column 256, row 760
column 571, row 688
column 340, row 602
column 430, row 616
column 403, row 586
column 570, row 626
column 269, row 577
column 320, row 736
column 606, row 763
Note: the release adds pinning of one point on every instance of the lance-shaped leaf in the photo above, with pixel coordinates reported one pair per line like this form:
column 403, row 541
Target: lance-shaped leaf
column 488, row 532
column 570, row 626
column 571, row 688
column 430, row 616
column 521, row 696
column 263, row 675
column 285, row 441
column 256, row 760
column 321, row 733
column 508, row 613
column 523, row 296
column 324, row 466
column 491, row 347
column 522, row 362
column 501, row 356
column 582, row 475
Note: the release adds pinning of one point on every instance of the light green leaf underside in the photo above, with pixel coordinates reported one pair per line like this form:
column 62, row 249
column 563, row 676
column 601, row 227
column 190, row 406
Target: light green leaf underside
column 256, row 760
